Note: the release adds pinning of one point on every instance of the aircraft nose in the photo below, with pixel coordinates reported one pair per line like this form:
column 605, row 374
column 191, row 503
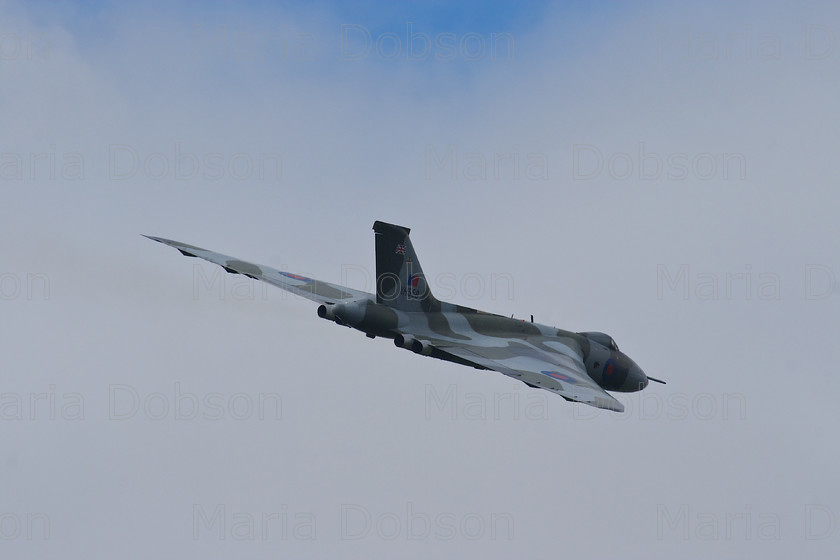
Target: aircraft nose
column 636, row 378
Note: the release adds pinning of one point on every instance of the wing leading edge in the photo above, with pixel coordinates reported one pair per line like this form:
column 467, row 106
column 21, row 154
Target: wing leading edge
column 557, row 373
column 309, row 288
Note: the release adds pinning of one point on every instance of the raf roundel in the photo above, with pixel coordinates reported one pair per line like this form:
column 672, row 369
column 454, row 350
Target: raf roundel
column 560, row 376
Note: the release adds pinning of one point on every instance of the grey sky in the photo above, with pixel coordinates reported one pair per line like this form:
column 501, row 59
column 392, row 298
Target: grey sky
column 710, row 259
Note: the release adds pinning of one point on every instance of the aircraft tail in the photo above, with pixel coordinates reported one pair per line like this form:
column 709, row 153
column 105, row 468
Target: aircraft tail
column 400, row 282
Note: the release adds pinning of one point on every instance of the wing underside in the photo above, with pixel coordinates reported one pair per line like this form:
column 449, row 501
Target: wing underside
column 558, row 373
column 309, row 288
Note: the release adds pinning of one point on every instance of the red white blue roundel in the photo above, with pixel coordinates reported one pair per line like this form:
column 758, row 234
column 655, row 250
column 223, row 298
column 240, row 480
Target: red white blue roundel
column 560, row 376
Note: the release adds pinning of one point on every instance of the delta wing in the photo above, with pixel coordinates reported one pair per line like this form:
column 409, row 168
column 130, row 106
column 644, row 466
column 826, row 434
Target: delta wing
column 315, row 290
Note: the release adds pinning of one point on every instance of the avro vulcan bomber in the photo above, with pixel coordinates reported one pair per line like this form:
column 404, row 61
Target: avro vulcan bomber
column 579, row 367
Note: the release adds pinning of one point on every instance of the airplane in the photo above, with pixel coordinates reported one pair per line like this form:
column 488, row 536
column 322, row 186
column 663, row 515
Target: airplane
column 579, row 367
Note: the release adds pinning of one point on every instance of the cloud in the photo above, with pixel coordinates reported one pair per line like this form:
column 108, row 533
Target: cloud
column 614, row 143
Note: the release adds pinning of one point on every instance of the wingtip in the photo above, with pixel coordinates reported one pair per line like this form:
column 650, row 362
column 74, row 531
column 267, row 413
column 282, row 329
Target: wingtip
column 163, row 240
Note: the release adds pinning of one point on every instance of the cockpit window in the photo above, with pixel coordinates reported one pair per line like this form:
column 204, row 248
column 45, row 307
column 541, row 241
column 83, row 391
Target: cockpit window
column 603, row 339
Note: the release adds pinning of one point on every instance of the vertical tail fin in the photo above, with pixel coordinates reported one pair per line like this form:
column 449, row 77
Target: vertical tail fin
column 400, row 282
